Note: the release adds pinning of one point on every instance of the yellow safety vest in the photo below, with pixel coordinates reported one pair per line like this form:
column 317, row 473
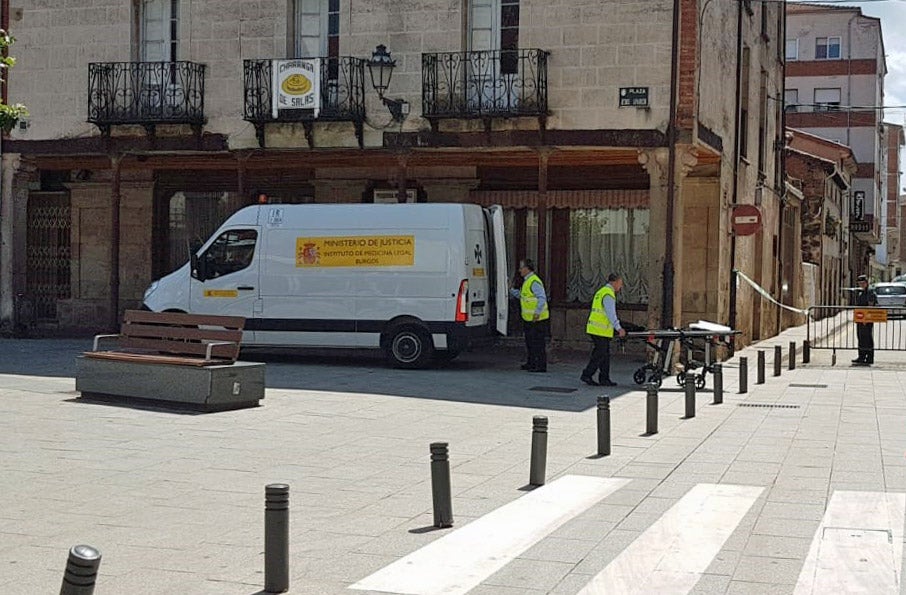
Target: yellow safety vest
column 529, row 302
column 598, row 323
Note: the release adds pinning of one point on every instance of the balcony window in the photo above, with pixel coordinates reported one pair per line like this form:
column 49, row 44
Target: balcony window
column 827, row 48
column 791, row 100
column 792, row 50
column 827, row 100
column 159, row 30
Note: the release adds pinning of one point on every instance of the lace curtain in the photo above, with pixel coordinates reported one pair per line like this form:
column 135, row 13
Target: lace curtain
column 604, row 241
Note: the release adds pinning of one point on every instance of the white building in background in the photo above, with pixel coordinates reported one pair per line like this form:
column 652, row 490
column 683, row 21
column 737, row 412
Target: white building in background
column 835, row 73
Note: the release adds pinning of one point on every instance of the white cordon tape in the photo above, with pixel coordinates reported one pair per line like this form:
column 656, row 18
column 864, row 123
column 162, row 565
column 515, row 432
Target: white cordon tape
column 768, row 297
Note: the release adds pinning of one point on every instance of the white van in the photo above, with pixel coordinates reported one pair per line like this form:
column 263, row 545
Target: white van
column 415, row 280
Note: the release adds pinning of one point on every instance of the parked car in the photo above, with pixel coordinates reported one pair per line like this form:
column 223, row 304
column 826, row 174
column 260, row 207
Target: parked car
column 891, row 295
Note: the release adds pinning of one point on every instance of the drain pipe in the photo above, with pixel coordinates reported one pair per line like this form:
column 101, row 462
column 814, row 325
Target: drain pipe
column 669, row 270
column 736, row 153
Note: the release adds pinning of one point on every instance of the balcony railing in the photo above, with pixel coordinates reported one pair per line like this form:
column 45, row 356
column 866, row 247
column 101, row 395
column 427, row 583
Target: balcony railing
column 485, row 84
column 342, row 96
column 146, row 93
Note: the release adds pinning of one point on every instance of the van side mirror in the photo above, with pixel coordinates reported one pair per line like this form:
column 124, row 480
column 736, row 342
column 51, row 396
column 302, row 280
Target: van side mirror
column 198, row 267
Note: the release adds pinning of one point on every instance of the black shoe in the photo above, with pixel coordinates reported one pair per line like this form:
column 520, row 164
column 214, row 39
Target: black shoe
column 606, row 383
column 524, row 367
column 538, row 370
column 858, row 360
column 589, row 380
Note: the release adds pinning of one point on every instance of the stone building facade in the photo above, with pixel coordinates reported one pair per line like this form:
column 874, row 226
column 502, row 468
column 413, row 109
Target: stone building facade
column 823, row 171
column 603, row 127
column 835, row 79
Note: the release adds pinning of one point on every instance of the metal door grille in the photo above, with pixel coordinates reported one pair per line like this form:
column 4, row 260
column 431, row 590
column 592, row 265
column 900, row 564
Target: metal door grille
column 48, row 253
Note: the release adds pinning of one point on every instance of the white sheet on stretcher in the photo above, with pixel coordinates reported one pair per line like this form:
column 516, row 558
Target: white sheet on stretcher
column 704, row 325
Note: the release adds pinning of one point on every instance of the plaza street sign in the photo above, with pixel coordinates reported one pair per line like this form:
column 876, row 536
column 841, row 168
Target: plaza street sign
column 634, row 97
column 746, row 220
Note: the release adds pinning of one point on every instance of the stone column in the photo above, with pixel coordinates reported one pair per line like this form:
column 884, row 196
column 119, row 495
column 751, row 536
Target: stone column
column 90, row 266
column 136, row 245
column 655, row 163
column 13, row 227
column 686, row 160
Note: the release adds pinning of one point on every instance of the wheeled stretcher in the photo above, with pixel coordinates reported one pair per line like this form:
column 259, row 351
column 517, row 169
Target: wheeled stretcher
column 702, row 337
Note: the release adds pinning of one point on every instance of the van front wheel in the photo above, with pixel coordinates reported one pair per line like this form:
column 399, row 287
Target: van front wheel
column 409, row 347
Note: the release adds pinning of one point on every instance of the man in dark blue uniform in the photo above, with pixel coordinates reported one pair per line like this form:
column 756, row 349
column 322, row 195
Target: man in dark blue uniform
column 865, row 297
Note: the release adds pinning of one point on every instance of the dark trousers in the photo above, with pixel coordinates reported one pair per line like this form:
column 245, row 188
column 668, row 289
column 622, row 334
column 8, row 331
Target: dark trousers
column 865, row 335
column 599, row 360
column 535, row 343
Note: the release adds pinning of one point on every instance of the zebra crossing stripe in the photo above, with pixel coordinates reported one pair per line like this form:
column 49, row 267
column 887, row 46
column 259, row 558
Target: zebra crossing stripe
column 858, row 547
column 459, row 561
column 674, row 552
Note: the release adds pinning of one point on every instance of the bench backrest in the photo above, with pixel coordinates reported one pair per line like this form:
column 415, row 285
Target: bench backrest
column 182, row 334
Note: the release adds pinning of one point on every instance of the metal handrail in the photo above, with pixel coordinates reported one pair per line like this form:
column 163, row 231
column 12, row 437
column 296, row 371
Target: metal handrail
column 146, row 93
column 483, row 84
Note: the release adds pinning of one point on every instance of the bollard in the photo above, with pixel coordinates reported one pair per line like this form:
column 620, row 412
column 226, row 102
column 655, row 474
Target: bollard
column 539, row 451
column 603, row 426
column 81, row 571
column 440, row 485
column 792, row 355
column 759, row 370
column 690, row 395
column 718, row 383
column 806, row 352
column 743, row 375
column 276, row 538
column 778, row 359
column 651, row 409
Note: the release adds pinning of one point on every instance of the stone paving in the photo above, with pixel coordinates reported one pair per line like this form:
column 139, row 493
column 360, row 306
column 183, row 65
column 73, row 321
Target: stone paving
column 175, row 501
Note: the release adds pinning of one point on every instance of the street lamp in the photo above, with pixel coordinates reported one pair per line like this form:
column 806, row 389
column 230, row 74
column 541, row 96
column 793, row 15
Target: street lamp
column 380, row 67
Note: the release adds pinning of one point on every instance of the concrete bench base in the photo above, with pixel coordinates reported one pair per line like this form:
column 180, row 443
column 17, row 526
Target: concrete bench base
column 207, row 388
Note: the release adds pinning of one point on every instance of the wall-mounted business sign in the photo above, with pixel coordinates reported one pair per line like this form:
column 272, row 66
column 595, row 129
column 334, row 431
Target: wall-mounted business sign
column 633, row 96
column 859, row 226
column 297, row 85
column 859, row 205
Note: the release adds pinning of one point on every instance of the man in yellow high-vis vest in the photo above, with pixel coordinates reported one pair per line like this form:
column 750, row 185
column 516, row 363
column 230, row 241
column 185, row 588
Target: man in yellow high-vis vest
column 602, row 324
column 535, row 317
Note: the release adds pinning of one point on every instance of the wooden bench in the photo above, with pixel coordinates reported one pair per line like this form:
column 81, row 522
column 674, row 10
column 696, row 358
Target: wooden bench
column 183, row 359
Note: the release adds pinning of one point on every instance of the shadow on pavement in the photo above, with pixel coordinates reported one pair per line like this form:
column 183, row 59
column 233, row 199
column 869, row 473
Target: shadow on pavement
column 487, row 377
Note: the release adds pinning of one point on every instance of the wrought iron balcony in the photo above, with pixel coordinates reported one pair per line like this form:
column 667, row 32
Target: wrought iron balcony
column 342, row 96
column 485, row 84
column 146, row 93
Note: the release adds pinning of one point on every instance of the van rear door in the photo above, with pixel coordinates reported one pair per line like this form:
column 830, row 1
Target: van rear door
column 499, row 272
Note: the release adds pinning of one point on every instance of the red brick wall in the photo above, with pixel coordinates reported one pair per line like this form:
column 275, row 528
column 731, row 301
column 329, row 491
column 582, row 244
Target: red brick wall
column 688, row 62
column 830, row 67
column 836, row 119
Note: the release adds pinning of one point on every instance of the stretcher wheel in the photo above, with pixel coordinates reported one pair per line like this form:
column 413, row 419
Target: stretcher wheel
column 655, row 379
column 639, row 376
column 700, row 381
column 681, row 379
